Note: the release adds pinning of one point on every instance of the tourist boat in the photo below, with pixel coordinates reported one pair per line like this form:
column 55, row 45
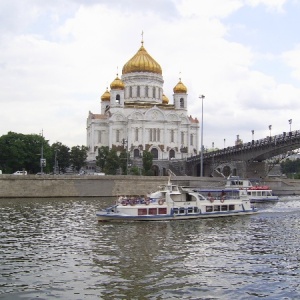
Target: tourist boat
column 255, row 192
column 173, row 202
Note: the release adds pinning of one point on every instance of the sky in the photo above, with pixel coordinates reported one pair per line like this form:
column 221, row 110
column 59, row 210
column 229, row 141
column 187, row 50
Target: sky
column 57, row 58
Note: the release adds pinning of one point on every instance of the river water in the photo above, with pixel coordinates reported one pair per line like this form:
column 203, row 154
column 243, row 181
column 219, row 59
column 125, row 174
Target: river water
column 55, row 249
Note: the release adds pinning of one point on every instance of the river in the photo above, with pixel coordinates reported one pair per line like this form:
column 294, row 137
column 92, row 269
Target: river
column 55, row 249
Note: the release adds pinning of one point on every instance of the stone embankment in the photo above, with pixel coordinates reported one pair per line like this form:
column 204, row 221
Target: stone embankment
column 47, row 186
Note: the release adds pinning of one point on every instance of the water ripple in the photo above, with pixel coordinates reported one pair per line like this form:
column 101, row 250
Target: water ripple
column 53, row 248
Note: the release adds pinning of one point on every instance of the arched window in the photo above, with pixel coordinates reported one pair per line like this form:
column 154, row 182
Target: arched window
column 154, row 152
column 136, row 138
column 154, row 94
column 192, row 140
column 138, row 91
column 181, row 103
column 172, row 133
column 118, row 99
column 136, row 153
column 172, row 154
column 117, row 135
column 130, row 91
column 147, row 91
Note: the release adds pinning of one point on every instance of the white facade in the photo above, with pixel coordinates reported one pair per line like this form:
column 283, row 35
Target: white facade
column 136, row 110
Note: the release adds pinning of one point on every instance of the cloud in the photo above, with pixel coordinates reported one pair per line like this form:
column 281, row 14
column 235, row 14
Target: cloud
column 57, row 61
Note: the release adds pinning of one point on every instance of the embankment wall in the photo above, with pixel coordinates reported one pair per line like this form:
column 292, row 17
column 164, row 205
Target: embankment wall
column 32, row 186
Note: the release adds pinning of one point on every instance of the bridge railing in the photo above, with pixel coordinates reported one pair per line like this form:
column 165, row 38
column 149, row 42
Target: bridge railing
column 271, row 140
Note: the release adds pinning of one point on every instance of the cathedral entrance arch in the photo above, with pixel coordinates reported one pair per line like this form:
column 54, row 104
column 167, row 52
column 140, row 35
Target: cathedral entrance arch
column 154, row 152
column 171, row 154
column 155, row 170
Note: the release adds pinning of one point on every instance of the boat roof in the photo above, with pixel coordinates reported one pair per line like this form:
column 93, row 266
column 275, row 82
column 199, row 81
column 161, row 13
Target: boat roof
column 227, row 190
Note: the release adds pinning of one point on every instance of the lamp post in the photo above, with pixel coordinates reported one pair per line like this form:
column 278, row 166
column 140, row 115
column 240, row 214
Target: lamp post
column 252, row 135
column 270, row 128
column 125, row 143
column 224, row 143
column 55, row 162
column 290, row 122
column 201, row 171
column 42, row 160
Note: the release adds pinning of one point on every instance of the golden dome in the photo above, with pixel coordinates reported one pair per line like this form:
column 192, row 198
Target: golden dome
column 117, row 84
column 165, row 99
column 180, row 88
column 142, row 62
column 106, row 96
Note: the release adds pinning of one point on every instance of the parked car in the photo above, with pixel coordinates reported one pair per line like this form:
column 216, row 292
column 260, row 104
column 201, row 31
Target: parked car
column 20, row 173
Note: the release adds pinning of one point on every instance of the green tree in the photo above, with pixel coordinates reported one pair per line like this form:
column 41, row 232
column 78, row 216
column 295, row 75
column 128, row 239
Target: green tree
column 112, row 163
column 78, row 157
column 124, row 161
column 147, row 163
column 19, row 151
column 135, row 170
column 291, row 168
column 60, row 155
column 101, row 157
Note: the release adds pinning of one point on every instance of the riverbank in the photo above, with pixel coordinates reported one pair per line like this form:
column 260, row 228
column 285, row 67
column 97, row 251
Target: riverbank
column 47, row 186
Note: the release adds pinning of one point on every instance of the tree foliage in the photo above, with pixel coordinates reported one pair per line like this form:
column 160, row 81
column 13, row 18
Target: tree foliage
column 19, row 151
column 291, row 168
column 60, row 155
column 147, row 163
column 101, row 157
column 112, row 163
column 78, row 157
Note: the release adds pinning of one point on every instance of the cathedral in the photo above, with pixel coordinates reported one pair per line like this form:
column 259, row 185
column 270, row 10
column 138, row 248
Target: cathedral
column 137, row 116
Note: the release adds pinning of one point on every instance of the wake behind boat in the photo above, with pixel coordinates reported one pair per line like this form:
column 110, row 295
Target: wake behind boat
column 256, row 192
column 173, row 202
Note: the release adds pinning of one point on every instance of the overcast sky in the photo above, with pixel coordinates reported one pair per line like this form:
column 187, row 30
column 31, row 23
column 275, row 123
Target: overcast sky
column 57, row 58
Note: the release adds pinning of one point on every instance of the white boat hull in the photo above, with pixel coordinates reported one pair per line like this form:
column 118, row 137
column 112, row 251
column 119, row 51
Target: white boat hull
column 102, row 217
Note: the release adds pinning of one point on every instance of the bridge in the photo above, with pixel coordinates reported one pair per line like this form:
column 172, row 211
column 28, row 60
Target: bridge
column 247, row 159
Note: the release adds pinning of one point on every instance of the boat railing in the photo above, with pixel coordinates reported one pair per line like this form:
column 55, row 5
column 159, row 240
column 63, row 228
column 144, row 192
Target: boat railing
column 139, row 200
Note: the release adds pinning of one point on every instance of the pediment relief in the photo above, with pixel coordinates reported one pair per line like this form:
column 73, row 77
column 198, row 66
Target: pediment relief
column 172, row 118
column 155, row 114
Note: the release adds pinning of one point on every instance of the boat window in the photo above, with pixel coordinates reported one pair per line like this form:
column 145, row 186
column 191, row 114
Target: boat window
column 224, row 207
column 142, row 211
column 162, row 210
column 209, row 208
column 152, row 211
column 175, row 210
column 231, row 207
column 190, row 210
column 181, row 210
column 216, row 207
column 196, row 209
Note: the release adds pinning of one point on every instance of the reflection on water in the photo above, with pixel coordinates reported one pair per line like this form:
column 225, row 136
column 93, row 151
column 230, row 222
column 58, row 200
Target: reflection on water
column 55, row 249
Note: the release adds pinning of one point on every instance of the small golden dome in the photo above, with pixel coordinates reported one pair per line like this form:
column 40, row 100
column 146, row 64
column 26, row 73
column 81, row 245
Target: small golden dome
column 106, row 96
column 117, row 84
column 165, row 99
column 180, row 88
column 142, row 62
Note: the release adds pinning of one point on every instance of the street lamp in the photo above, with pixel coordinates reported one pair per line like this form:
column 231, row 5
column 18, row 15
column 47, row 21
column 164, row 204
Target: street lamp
column 55, row 162
column 270, row 128
column 42, row 160
column 201, row 172
column 125, row 143
column 224, row 143
column 290, row 122
column 252, row 135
